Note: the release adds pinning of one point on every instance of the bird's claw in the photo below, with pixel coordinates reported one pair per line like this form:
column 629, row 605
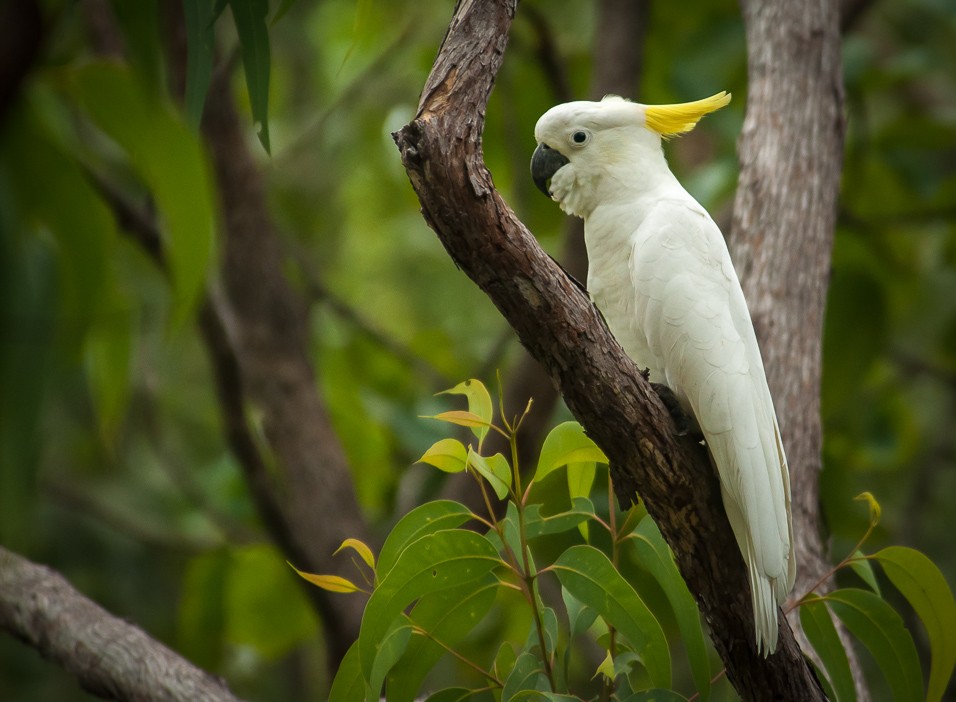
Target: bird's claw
column 681, row 419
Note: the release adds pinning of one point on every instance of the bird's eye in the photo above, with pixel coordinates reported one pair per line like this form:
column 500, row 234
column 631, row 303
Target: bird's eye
column 580, row 137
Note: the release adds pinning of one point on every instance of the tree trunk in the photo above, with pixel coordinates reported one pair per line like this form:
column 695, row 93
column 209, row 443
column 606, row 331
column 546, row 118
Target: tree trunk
column 791, row 155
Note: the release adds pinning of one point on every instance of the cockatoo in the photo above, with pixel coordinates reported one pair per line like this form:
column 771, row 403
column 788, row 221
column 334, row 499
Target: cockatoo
column 660, row 273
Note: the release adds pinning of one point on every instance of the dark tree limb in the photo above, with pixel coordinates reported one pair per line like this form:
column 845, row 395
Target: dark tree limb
column 441, row 150
column 618, row 53
column 109, row 657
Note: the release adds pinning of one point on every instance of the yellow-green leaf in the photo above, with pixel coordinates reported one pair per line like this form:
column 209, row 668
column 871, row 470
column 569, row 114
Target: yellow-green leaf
column 448, row 455
column 495, row 470
column 461, row 418
column 332, row 583
column 479, row 404
column 361, row 549
column 567, row 443
column 875, row 510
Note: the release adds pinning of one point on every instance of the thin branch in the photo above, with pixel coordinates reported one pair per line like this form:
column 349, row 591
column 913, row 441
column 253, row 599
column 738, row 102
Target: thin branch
column 108, row 656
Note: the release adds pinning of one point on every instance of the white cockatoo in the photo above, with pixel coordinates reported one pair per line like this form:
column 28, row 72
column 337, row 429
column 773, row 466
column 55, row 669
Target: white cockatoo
column 660, row 273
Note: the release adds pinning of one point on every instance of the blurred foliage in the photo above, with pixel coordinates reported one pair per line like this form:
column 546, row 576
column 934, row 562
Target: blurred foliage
column 113, row 467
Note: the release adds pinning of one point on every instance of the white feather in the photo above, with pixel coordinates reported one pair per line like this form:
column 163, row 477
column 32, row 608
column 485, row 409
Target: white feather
column 662, row 276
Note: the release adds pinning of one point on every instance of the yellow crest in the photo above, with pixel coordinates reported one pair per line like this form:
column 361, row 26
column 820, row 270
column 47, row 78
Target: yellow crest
column 671, row 120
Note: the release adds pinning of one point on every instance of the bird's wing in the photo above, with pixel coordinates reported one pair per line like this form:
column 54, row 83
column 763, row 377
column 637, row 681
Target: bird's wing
column 695, row 318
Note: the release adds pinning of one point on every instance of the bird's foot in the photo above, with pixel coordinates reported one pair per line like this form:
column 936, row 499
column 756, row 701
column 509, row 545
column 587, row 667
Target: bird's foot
column 681, row 419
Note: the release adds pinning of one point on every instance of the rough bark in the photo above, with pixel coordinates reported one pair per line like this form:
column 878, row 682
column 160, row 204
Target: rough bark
column 441, row 150
column 109, row 657
column 791, row 150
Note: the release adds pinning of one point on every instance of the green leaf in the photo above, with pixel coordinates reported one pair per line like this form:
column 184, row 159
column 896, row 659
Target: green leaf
column 925, row 588
column 427, row 519
column 495, row 470
column 881, row 630
column 448, row 455
column 505, row 660
column 822, row 634
column 654, row 555
column 566, row 443
column 250, row 18
column 434, row 562
column 591, row 577
column 549, row 622
column 863, row 568
column 448, row 616
column 537, row 525
column 201, row 50
column 527, row 674
column 389, row 652
column 348, row 684
column 581, row 478
column 167, row 155
column 479, row 404
column 580, row 616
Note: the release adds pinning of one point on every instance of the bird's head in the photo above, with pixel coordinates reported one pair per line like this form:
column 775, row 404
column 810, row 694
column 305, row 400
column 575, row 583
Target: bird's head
column 586, row 148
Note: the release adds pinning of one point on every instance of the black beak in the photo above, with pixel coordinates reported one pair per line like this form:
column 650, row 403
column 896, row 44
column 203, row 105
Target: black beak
column 545, row 162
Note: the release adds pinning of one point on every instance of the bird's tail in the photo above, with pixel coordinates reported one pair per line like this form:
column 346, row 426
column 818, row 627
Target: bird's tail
column 765, row 608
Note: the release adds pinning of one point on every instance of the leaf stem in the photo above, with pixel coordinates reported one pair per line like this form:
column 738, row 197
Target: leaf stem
column 467, row 661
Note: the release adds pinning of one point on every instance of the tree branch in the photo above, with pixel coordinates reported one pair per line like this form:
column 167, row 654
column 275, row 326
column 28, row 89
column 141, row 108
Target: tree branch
column 109, row 657
column 441, row 150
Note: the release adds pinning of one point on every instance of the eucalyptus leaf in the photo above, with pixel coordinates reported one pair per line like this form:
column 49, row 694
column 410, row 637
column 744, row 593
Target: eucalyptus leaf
column 200, row 53
column 566, row 443
column 926, row 589
column 863, row 568
column 654, row 555
column 448, row 616
column 881, row 630
column 425, row 519
column 591, row 577
column 250, row 18
column 527, row 674
column 434, row 562
column 822, row 634
column 348, row 684
column 479, row 404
